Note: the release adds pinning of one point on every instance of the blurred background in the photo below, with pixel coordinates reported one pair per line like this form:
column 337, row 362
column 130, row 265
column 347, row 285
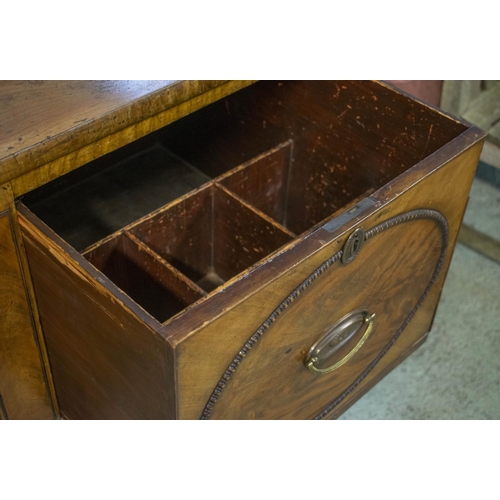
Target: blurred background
column 455, row 374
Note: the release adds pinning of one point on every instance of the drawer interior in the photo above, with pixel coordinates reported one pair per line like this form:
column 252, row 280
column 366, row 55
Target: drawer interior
column 211, row 236
column 147, row 279
column 178, row 213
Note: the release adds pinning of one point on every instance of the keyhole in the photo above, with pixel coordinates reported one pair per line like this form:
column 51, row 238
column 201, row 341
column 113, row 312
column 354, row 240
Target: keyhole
column 353, row 246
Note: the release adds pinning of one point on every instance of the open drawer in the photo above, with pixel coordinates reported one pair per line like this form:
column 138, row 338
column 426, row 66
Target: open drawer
column 270, row 256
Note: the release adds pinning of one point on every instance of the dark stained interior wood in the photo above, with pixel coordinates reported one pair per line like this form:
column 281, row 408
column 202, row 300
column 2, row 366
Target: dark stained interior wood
column 210, row 236
column 344, row 139
column 241, row 237
column 347, row 137
column 105, row 195
column 263, row 181
column 182, row 234
column 145, row 279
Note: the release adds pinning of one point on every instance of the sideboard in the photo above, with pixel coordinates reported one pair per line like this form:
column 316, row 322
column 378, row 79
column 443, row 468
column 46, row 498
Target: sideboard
column 219, row 249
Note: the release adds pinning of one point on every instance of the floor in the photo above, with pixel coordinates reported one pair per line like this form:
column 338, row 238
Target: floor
column 455, row 374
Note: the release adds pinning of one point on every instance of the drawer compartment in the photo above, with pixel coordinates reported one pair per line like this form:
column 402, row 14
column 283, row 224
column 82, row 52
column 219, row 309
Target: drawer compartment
column 264, row 181
column 190, row 274
column 147, row 279
column 211, row 236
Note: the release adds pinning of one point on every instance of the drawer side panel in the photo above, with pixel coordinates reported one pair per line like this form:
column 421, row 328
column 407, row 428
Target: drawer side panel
column 106, row 363
column 23, row 386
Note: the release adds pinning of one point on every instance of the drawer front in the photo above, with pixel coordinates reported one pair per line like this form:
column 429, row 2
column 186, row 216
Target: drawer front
column 390, row 278
column 252, row 361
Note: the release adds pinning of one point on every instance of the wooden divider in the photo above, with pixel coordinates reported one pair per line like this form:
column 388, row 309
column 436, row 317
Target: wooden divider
column 151, row 283
column 211, row 236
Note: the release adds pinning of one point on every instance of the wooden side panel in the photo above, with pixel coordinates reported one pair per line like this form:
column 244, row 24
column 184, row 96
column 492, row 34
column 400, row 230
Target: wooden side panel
column 3, row 410
column 106, row 363
column 23, row 385
column 444, row 190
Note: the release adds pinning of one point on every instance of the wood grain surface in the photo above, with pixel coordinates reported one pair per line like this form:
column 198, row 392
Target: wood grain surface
column 73, row 146
column 24, row 386
column 217, row 343
column 113, row 359
column 106, row 362
column 41, row 120
column 293, row 254
column 210, row 236
column 48, row 128
column 347, row 137
column 263, row 181
column 386, row 278
column 147, row 279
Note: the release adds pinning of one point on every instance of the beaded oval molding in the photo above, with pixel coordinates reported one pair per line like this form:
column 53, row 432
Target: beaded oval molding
column 439, row 218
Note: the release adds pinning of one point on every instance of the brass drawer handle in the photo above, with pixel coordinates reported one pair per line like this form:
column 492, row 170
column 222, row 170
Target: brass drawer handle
column 336, row 337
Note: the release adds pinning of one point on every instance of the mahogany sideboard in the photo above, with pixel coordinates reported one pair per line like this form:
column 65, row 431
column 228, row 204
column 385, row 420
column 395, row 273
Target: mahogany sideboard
column 219, row 249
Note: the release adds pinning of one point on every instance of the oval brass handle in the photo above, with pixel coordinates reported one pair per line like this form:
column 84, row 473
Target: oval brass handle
column 339, row 334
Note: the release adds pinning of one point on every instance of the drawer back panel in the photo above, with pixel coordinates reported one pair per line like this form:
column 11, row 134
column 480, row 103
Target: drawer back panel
column 348, row 137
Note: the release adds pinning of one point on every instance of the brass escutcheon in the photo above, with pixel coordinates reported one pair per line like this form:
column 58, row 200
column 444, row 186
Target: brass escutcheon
column 353, row 246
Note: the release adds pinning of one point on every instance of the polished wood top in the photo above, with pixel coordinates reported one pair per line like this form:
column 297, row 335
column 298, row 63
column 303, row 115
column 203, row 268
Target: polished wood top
column 41, row 121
